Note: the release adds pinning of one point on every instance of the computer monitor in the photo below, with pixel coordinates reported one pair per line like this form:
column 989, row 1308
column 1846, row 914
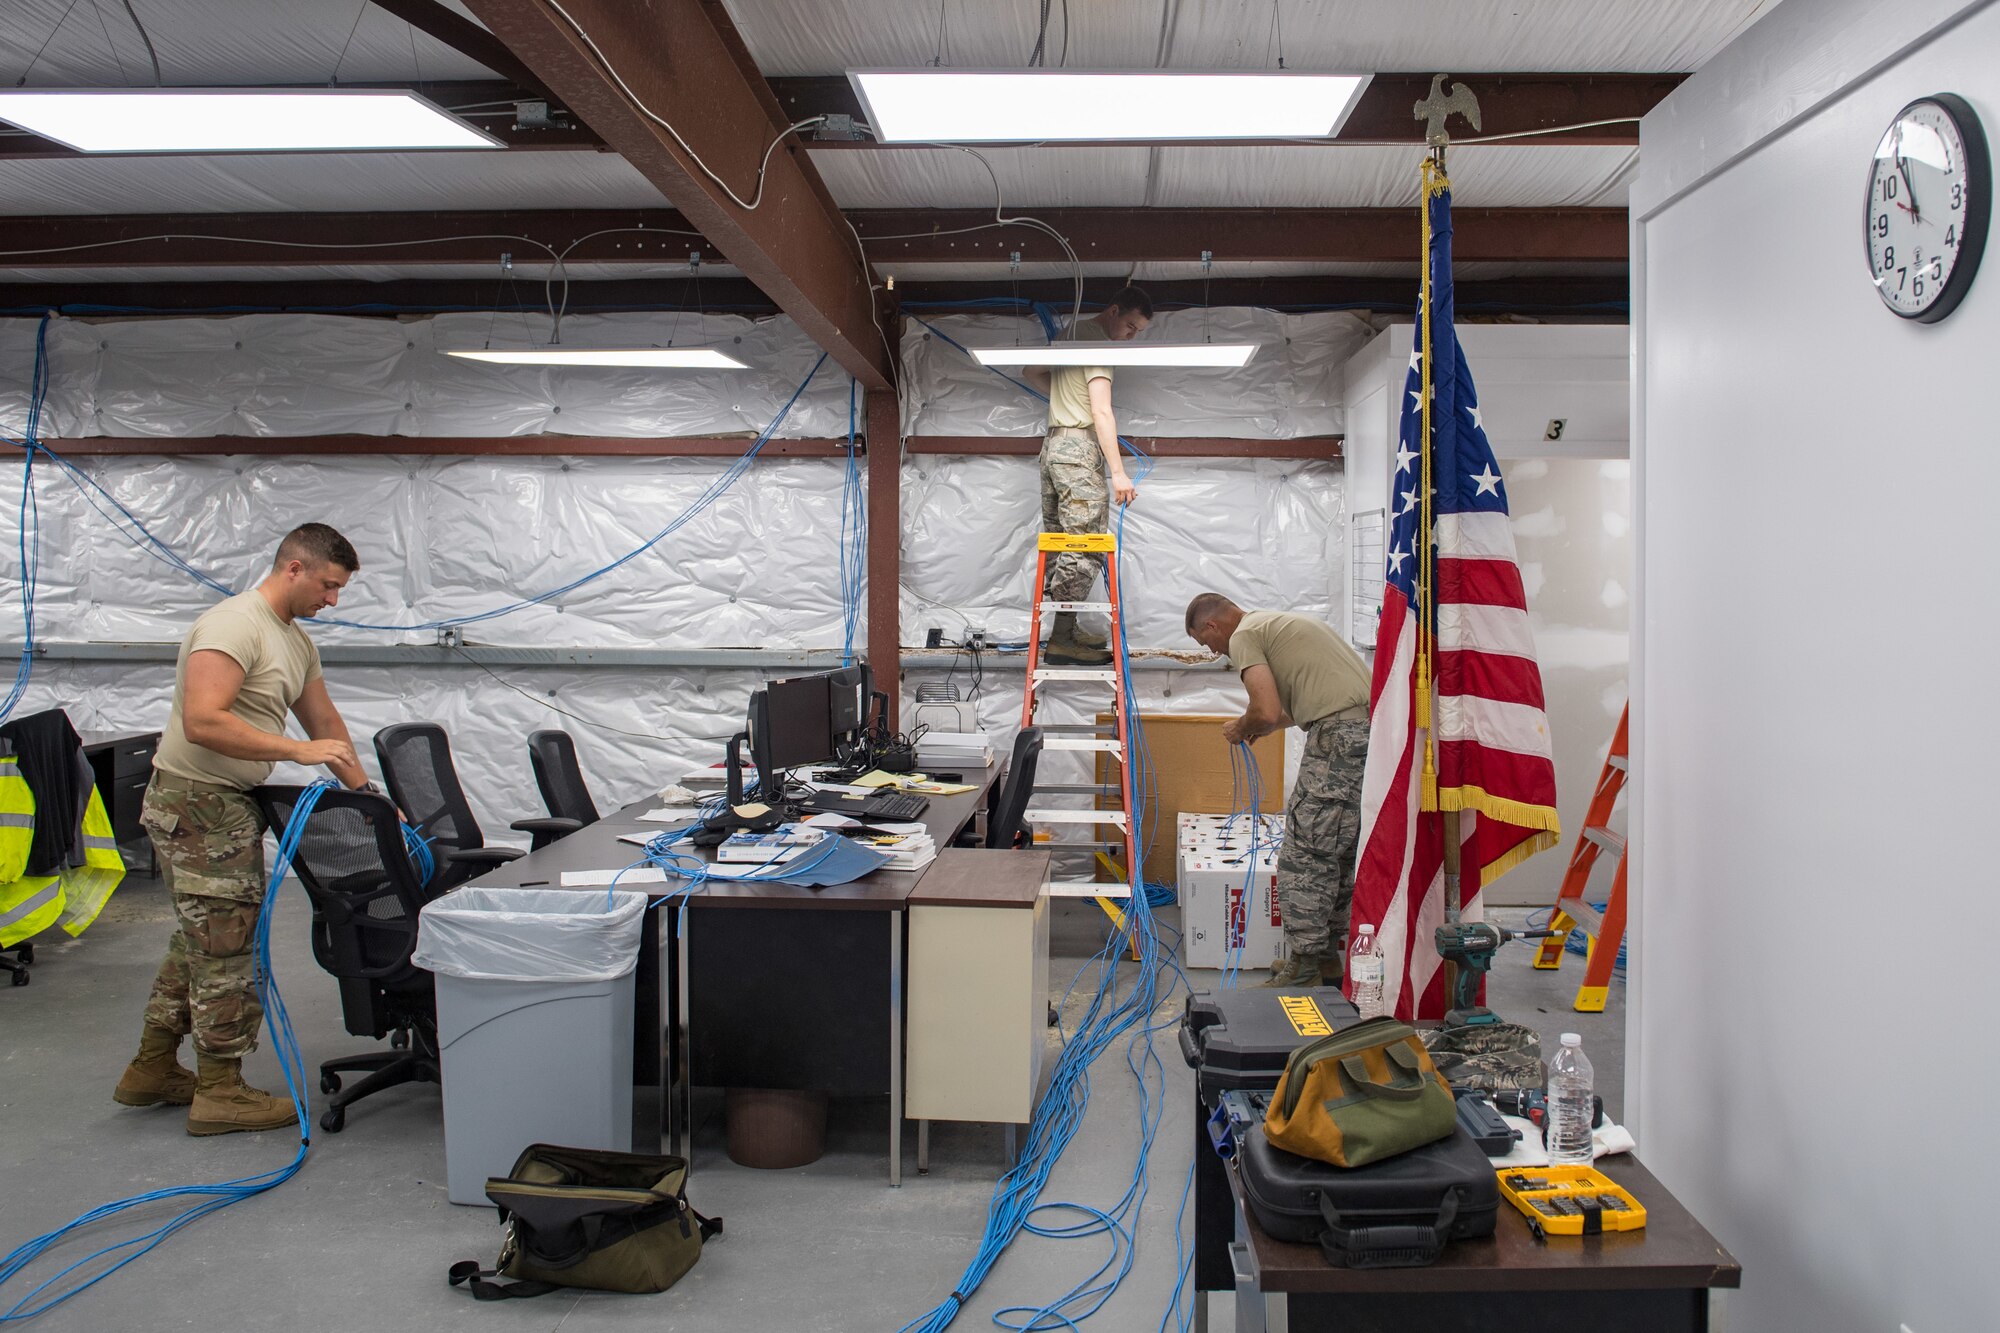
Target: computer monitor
column 791, row 723
column 850, row 688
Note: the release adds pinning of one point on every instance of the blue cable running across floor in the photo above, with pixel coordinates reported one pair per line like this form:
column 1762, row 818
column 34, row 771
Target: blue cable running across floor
column 209, row 1198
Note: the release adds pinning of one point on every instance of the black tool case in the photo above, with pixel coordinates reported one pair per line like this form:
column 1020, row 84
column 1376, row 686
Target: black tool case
column 1241, row 1039
column 1396, row 1213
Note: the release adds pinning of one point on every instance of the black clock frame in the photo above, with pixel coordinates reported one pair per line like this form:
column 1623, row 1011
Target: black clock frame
column 1978, row 167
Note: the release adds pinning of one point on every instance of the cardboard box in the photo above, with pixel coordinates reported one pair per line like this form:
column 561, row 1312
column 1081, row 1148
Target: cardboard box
column 1218, row 917
column 1199, row 831
column 1191, row 771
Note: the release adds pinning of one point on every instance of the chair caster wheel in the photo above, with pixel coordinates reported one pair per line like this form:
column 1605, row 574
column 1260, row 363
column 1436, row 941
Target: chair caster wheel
column 333, row 1121
column 399, row 1040
column 329, row 1084
column 20, row 979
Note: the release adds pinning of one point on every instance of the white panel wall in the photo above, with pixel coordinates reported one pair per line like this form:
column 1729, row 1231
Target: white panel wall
column 1815, row 788
column 446, row 537
column 1570, row 501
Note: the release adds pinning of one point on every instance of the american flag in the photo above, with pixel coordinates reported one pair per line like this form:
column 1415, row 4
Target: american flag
column 1490, row 734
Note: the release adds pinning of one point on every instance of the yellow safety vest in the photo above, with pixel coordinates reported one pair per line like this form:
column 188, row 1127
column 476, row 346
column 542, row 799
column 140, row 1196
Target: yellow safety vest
column 29, row 906
column 86, row 887
column 17, row 819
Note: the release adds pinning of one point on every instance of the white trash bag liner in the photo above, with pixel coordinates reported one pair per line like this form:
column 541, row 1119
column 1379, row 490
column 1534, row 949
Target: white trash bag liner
column 530, row 934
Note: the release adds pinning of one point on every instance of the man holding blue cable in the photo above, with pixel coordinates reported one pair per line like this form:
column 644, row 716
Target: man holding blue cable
column 1079, row 454
column 245, row 665
column 1299, row 673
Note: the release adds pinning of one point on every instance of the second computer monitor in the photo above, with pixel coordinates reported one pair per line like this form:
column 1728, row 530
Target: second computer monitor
column 797, row 726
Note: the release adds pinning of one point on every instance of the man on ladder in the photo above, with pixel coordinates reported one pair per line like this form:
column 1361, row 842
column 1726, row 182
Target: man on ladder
column 1078, row 453
column 1298, row 672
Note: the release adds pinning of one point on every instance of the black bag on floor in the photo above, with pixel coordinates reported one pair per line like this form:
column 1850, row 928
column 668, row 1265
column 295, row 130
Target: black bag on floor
column 1395, row 1213
column 585, row 1217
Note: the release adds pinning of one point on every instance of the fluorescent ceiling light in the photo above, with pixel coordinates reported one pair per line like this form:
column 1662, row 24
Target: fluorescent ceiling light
column 1025, row 105
column 237, row 120
column 1118, row 354
column 682, row 358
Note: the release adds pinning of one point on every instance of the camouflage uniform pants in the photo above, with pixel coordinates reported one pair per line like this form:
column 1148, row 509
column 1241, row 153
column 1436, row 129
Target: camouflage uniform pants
column 1322, row 829
column 211, row 841
column 1075, row 498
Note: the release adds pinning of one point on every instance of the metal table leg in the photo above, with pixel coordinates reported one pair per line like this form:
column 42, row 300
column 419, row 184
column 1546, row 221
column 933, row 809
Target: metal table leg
column 923, row 1147
column 677, row 1096
column 895, row 1048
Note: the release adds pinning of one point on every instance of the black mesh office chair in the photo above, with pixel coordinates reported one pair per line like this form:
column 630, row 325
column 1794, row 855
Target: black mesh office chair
column 416, row 764
column 365, row 898
column 1008, row 825
column 557, row 774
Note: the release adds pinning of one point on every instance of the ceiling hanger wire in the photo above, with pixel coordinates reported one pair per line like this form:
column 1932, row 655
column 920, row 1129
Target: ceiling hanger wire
column 34, row 59
column 151, row 54
column 333, row 79
column 123, row 78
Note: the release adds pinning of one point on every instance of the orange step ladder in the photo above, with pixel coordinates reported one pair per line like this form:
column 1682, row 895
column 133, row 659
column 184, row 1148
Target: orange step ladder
column 1084, row 737
column 1605, row 929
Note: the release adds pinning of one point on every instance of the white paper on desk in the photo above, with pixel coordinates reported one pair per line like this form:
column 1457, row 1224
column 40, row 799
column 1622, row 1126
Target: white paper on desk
column 668, row 815
column 897, row 827
column 597, row 879
column 637, row 839
column 832, row 821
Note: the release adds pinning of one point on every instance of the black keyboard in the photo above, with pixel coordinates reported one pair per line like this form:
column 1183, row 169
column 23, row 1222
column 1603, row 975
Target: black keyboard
column 895, row 807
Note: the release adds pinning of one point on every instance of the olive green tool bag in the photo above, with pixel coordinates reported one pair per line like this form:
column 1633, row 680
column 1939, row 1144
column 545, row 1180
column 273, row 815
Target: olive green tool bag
column 582, row 1217
column 1365, row 1093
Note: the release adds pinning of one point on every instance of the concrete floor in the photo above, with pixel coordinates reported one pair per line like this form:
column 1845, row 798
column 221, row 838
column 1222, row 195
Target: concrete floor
column 361, row 1238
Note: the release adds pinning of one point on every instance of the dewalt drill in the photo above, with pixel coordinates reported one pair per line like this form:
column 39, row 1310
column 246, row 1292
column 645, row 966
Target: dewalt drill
column 1471, row 945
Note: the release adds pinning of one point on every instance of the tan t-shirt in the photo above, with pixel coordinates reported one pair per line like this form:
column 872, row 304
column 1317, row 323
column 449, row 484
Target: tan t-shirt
column 278, row 662
column 1069, row 386
column 1318, row 674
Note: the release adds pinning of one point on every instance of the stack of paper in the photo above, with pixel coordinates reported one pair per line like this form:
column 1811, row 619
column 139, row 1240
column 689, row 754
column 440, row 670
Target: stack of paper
column 782, row 844
column 954, row 749
column 906, row 851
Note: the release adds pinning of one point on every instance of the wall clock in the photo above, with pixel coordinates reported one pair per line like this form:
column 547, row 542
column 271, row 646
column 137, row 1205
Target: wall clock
column 1929, row 198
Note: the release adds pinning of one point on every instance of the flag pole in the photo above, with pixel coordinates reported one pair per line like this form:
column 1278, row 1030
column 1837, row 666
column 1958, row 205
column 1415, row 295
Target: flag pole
column 1434, row 183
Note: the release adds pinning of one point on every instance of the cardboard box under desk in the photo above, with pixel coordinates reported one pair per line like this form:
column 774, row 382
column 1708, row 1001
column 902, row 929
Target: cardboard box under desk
column 1190, row 766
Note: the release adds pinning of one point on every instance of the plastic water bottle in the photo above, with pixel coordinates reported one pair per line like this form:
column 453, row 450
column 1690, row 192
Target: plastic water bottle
column 1569, row 1097
column 1364, row 970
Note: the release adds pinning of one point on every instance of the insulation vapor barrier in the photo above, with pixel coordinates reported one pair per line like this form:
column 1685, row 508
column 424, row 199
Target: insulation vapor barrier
column 446, row 537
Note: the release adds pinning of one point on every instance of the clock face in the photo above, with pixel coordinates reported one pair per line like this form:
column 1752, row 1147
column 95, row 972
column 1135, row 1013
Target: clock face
column 1928, row 195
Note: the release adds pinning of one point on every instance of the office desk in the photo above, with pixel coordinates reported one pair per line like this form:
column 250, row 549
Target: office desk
column 121, row 762
column 1655, row 1280
column 768, row 985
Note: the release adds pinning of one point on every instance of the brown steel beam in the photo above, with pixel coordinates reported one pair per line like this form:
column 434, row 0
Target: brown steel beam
column 682, row 64
column 205, row 240
column 1324, row 447
column 1524, row 104
column 1600, row 294
column 565, row 133
column 900, row 236
column 510, row 446
column 1237, row 235
column 885, row 547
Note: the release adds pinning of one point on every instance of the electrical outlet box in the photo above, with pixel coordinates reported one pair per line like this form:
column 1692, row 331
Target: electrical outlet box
column 934, row 637
column 976, row 639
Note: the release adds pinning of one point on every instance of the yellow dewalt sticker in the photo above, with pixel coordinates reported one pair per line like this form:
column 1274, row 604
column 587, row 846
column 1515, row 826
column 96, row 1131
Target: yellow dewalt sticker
column 1307, row 1020
column 1078, row 541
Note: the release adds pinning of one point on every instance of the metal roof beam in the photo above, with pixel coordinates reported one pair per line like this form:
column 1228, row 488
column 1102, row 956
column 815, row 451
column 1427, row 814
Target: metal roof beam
column 892, row 236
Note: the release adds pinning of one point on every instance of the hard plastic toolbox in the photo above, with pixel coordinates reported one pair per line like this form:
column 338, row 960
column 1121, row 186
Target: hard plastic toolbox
column 1396, row 1213
column 1240, row 1039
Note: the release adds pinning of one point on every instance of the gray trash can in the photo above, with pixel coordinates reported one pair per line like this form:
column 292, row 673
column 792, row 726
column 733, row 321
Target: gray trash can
column 534, row 1007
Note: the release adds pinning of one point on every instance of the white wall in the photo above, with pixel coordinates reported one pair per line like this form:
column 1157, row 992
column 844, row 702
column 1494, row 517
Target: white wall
column 1570, row 502
column 1813, row 867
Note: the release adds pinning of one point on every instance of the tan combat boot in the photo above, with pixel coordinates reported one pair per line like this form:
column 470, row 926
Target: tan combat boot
column 155, row 1076
column 1303, row 970
column 225, row 1104
column 1091, row 638
column 1064, row 649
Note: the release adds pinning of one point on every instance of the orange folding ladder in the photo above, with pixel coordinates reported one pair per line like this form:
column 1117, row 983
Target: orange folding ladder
column 1605, row 929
